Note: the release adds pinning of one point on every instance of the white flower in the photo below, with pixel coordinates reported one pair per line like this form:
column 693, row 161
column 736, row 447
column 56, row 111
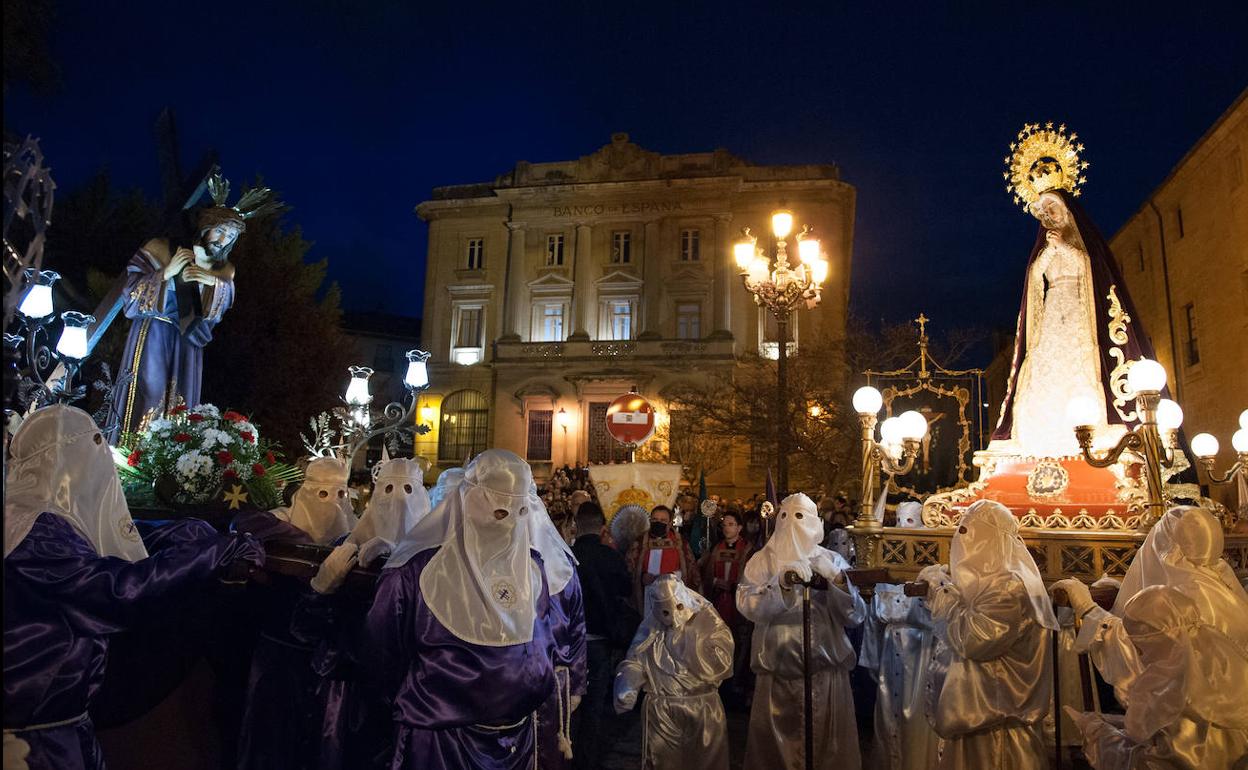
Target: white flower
column 241, row 470
column 212, row 437
column 207, row 410
column 191, row 466
column 160, row 425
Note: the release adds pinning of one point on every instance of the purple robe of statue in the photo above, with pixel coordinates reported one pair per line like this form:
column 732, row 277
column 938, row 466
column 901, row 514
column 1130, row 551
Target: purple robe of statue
column 62, row 601
column 567, row 626
column 165, row 349
column 455, row 704
column 1104, row 277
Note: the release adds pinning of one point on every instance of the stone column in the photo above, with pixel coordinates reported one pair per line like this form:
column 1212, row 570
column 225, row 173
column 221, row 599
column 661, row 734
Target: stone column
column 515, row 305
column 583, row 276
column 724, row 275
column 652, row 274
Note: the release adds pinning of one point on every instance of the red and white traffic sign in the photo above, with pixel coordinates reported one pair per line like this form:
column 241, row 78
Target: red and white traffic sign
column 630, row 419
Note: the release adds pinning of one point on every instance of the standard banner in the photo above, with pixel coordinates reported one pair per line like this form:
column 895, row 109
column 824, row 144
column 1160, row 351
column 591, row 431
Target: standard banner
column 644, row 484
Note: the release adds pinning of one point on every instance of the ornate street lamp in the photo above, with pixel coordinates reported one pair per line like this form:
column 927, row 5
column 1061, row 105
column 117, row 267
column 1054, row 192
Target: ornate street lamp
column 782, row 288
column 1205, row 447
column 893, row 454
column 1145, row 378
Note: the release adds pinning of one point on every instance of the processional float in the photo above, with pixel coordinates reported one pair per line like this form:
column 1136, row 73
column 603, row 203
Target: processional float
column 1087, row 451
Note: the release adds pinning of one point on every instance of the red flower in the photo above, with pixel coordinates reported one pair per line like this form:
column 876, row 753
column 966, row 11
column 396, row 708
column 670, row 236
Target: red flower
column 229, row 473
column 224, row 457
column 269, row 458
column 182, row 437
column 178, row 409
column 195, row 417
column 248, row 436
column 233, row 416
column 133, row 459
column 257, row 469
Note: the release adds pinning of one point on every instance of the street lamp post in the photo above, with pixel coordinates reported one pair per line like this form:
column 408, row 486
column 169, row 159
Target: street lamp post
column 782, row 288
column 1145, row 378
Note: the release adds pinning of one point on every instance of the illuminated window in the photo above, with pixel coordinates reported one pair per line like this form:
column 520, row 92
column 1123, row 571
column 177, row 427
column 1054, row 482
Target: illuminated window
column 619, row 319
column 465, row 426
column 621, row 247
column 476, row 253
column 541, row 424
column 554, row 250
column 467, row 331
column 548, row 322
column 689, row 321
column 690, row 248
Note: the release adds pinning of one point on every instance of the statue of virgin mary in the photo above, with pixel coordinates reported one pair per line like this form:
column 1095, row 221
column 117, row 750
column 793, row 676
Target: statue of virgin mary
column 1076, row 333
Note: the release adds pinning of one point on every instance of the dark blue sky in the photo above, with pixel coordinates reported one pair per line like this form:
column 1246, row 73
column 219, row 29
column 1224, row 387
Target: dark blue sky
column 355, row 110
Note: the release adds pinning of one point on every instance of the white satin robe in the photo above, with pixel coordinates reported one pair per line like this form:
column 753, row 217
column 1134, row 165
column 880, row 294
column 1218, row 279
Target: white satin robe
column 1191, row 744
column 996, row 692
column 776, row 739
column 899, row 654
column 680, row 671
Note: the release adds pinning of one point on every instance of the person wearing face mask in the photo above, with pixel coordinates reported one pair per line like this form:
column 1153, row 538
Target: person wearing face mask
column 766, row 597
column 680, row 654
column 76, row 572
column 282, row 723
column 1182, row 681
column 992, row 612
column 459, row 638
column 660, row 551
column 721, row 572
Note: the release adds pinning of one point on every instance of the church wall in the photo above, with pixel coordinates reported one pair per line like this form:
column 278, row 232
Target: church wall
column 1190, row 241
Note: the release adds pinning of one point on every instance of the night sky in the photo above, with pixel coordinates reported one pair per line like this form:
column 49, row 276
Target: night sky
column 354, row 111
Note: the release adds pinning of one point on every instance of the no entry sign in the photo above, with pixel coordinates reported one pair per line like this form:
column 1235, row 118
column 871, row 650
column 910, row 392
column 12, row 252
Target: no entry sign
column 630, row 419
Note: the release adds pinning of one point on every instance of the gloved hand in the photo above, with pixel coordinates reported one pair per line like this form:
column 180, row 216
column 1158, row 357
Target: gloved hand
column 802, row 568
column 625, row 702
column 242, row 554
column 15, row 752
column 334, row 569
column 375, row 547
column 1077, row 594
column 935, row 575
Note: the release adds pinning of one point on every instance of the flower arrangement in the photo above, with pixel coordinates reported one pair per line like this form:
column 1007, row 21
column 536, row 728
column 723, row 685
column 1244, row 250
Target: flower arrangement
column 187, row 457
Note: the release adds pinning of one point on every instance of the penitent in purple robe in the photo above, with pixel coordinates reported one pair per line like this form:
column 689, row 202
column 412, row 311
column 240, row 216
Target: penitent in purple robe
column 165, row 349
column 62, row 601
column 567, row 626
column 455, row 704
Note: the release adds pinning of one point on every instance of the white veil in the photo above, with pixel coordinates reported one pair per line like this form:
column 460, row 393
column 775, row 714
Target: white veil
column 986, row 547
column 60, row 463
column 398, row 503
column 795, row 541
column 322, row 504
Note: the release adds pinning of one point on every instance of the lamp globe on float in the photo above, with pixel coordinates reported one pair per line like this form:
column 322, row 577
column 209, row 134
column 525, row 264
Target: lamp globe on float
column 417, row 369
column 1169, row 415
column 1146, row 376
column 892, row 431
column 1081, row 412
column 913, row 425
column 782, row 223
column 1243, row 419
column 1239, row 440
column 1205, row 445
column 73, row 342
column 357, row 389
column 867, row 400
column 37, row 304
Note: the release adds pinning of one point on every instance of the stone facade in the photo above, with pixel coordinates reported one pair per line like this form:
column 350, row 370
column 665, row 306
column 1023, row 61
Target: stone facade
column 562, row 285
column 1184, row 257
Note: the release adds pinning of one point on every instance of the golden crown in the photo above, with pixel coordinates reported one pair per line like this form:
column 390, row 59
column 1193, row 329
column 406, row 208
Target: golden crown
column 1043, row 159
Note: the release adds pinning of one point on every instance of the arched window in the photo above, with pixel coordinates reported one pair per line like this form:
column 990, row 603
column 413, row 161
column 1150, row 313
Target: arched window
column 465, row 426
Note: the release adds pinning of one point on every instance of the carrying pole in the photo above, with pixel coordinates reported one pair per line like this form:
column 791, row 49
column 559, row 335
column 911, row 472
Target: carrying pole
column 809, row 732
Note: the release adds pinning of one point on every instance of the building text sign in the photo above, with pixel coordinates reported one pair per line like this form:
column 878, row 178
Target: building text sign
column 610, row 209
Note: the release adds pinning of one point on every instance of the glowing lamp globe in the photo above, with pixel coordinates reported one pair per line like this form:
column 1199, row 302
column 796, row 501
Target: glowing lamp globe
column 782, row 224
column 819, row 270
column 1169, row 415
column 808, row 250
column 37, row 304
column 1146, row 376
column 913, row 425
column 743, row 253
column 867, row 400
column 417, row 369
column 1243, row 419
column 73, row 341
column 1204, row 445
column 892, row 431
column 1081, row 412
column 758, row 270
column 357, row 389
column 1239, row 440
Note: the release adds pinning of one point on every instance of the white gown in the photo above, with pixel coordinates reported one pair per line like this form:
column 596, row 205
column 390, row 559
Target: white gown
column 904, row 739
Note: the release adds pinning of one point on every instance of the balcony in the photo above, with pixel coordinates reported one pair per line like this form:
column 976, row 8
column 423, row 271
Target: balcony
column 613, row 350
